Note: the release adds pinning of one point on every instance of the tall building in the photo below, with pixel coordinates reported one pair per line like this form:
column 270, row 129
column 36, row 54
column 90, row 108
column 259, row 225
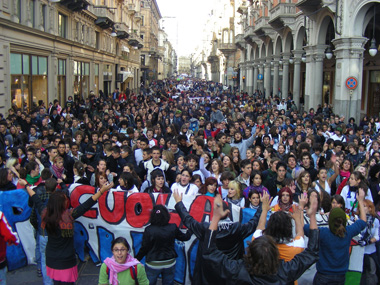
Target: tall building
column 54, row 50
column 318, row 51
column 150, row 54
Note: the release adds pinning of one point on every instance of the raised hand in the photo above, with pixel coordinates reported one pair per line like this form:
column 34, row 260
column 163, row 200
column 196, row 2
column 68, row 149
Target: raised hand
column 219, row 213
column 177, row 197
column 266, row 201
column 302, row 200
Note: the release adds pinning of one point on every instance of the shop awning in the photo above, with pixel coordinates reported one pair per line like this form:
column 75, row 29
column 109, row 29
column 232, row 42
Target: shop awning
column 126, row 75
column 125, row 49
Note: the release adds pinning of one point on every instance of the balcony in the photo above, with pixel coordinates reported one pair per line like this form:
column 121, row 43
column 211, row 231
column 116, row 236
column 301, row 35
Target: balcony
column 283, row 14
column 105, row 17
column 309, row 6
column 132, row 8
column 249, row 35
column 262, row 28
column 243, row 9
column 75, row 5
column 226, row 48
column 239, row 41
column 135, row 40
column 138, row 17
column 122, row 30
column 152, row 50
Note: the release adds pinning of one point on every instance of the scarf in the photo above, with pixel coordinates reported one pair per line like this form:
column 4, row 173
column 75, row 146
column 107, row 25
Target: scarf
column 58, row 171
column 366, row 233
column 255, row 207
column 115, row 267
column 32, row 180
column 208, row 133
column 285, row 207
column 345, row 174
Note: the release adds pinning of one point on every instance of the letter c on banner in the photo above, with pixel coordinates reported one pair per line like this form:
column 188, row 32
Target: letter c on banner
column 77, row 193
column 138, row 208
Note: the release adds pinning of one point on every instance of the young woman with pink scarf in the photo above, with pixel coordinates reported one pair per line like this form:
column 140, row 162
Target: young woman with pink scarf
column 122, row 268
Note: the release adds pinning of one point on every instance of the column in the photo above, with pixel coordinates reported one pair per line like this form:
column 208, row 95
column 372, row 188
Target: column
column 285, row 75
column 242, row 73
column 255, row 73
column 53, row 79
column 297, row 77
column 267, row 78
column 276, row 66
column 249, row 78
column 349, row 62
column 319, row 56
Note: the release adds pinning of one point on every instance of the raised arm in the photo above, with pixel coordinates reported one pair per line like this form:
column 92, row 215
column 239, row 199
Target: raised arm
column 197, row 228
column 202, row 168
column 360, row 199
column 265, row 205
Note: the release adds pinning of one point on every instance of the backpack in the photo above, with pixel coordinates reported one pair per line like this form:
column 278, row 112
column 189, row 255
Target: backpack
column 132, row 270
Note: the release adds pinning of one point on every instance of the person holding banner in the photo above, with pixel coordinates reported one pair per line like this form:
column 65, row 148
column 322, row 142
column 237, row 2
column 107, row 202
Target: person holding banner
column 58, row 220
column 158, row 246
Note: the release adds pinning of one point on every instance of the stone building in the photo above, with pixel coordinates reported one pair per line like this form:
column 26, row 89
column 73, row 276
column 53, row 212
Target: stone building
column 51, row 50
column 317, row 50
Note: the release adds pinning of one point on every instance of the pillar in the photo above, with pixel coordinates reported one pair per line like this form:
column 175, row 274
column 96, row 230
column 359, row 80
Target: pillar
column 297, row 77
column 267, row 78
column 260, row 85
column 276, row 66
column 349, row 62
column 285, row 75
column 255, row 73
column 249, row 78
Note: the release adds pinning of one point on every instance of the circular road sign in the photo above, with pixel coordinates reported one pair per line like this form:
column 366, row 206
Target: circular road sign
column 351, row 83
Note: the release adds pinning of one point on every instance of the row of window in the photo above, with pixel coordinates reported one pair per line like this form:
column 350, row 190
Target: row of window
column 29, row 79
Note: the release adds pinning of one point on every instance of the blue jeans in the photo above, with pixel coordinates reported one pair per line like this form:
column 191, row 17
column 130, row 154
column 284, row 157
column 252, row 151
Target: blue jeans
column 322, row 279
column 3, row 276
column 166, row 273
column 37, row 254
column 43, row 243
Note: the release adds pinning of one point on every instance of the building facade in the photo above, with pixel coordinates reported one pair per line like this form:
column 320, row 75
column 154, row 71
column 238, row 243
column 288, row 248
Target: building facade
column 318, row 51
column 54, row 50
column 150, row 54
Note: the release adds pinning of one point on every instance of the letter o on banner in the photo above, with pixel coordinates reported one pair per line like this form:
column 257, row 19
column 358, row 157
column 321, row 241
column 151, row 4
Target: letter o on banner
column 138, row 209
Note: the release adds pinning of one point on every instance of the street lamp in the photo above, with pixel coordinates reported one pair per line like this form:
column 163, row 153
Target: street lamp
column 291, row 59
column 280, row 61
column 113, row 33
column 303, row 57
column 373, row 49
column 328, row 53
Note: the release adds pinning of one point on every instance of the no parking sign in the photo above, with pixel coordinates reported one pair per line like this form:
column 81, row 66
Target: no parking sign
column 351, row 83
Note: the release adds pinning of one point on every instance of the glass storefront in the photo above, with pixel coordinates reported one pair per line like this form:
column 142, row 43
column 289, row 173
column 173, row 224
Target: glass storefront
column 29, row 80
column 61, row 81
column 81, row 79
column 107, row 79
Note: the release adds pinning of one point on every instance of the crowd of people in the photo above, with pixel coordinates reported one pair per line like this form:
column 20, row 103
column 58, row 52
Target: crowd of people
column 190, row 138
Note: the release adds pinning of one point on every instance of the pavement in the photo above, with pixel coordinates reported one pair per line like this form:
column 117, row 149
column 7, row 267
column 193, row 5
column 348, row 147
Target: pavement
column 88, row 273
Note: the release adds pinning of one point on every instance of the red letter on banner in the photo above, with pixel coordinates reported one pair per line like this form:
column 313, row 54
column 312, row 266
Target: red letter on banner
column 77, row 193
column 116, row 215
column 138, row 208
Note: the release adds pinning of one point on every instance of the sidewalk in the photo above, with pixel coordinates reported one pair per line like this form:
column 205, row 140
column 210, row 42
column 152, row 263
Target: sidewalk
column 88, row 273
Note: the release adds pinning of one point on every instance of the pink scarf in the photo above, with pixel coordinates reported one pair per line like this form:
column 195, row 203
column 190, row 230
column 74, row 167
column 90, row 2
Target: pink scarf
column 344, row 173
column 115, row 267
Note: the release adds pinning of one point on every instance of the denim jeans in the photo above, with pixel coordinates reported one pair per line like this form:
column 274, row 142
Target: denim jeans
column 43, row 243
column 322, row 279
column 166, row 273
column 3, row 276
column 37, row 254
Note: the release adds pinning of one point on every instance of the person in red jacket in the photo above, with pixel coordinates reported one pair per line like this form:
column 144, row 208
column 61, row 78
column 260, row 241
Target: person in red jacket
column 6, row 236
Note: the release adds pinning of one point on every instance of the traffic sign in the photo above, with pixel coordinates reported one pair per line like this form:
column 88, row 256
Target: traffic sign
column 260, row 77
column 351, row 83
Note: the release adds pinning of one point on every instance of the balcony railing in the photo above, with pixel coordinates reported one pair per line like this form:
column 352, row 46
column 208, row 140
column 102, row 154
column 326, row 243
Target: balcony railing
column 122, row 30
column 138, row 16
column 261, row 22
column 104, row 12
column 283, row 9
column 132, row 8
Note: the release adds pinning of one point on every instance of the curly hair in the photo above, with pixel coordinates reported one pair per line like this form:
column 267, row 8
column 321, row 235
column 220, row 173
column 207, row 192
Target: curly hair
column 159, row 216
column 263, row 257
column 279, row 227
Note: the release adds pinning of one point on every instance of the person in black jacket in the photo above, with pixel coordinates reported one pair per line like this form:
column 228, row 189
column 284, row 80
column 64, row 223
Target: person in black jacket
column 261, row 264
column 6, row 178
column 229, row 238
column 158, row 246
